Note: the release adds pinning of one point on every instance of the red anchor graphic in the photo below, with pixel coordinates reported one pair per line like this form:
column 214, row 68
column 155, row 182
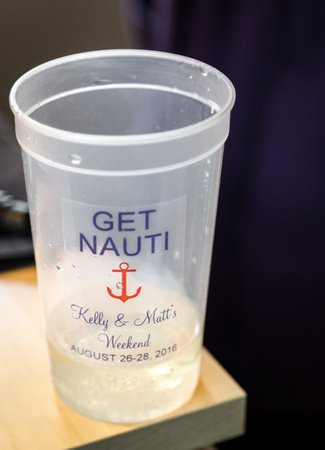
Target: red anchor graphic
column 124, row 268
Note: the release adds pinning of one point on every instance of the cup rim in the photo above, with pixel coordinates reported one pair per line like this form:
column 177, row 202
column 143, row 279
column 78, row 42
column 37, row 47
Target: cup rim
column 117, row 140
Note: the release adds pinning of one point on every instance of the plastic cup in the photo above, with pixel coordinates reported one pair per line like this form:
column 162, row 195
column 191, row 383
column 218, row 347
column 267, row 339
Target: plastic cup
column 122, row 154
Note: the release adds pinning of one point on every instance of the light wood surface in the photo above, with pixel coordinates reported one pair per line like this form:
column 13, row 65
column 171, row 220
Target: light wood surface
column 32, row 417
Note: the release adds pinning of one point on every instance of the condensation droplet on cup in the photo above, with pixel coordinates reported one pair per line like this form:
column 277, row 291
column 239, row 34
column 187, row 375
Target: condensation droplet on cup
column 50, row 245
column 206, row 174
column 215, row 108
column 194, row 260
column 58, row 266
column 75, row 159
column 177, row 254
column 119, row 285
column 204, row 71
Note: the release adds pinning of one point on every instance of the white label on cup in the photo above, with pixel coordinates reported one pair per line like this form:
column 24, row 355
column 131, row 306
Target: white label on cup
column 151, row 237
column 125, row 301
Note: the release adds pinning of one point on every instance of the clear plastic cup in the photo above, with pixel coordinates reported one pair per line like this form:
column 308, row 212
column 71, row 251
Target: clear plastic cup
column 122, row 153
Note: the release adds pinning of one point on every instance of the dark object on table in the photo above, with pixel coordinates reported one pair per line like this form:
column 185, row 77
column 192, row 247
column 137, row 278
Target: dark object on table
column 14, row 216
column 16, row 247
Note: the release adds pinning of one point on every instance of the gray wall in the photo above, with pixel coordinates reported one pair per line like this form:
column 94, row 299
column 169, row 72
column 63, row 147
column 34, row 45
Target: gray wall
column 36, row 31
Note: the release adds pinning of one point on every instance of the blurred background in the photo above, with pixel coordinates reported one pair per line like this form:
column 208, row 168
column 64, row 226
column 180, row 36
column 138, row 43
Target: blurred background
column 37, row 31
column 32, row 33
column 265, row 320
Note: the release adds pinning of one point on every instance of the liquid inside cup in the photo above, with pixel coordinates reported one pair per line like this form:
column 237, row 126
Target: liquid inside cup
column 126, row 385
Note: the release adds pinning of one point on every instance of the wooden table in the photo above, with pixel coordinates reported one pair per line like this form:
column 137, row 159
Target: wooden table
column 32, row 417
